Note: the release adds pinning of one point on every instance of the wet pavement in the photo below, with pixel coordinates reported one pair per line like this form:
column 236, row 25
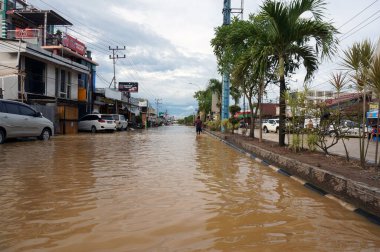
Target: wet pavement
column 163, row 189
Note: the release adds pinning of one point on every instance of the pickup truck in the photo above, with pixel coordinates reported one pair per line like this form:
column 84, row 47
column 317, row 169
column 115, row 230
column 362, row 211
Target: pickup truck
column 271, row 125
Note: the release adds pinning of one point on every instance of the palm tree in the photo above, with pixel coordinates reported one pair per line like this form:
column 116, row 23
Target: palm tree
column 374, row 76
column 339, row 82
column 235, row 94
column 357, row 61
column 288, row 35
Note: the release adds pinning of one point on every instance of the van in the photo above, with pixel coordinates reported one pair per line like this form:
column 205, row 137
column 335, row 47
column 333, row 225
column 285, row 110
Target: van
column 20, row 120
column 121, row 122
column 97, row 122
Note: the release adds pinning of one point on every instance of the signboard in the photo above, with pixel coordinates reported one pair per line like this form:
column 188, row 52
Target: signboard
column 26, row 33
column 143, row 104
column 73, row 44
column 373, row 106
column 131, row 87
column 112, row 94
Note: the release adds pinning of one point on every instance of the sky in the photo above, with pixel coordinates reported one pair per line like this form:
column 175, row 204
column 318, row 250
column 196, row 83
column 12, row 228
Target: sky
column 167, row 43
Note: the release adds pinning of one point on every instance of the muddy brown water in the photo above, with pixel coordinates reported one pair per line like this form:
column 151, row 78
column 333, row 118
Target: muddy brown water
column 163, row 189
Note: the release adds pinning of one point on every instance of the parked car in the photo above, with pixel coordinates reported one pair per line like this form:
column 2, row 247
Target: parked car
column 97, row 122
column 346, row 127
column 121, row 122
column 271, row 125
column 20, row 120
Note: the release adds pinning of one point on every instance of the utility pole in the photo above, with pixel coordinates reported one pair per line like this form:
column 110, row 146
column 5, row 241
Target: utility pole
column 227, row 10
column 114, row 57
column 158, row 101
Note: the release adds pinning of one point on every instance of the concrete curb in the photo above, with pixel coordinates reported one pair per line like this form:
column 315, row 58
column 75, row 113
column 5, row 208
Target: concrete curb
column 352, row 195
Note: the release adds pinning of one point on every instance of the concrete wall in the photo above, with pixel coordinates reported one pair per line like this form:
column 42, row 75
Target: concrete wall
column 50, row 80
column 9, row 85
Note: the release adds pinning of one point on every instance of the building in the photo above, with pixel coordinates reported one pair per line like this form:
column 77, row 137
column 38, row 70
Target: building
column 44, row 66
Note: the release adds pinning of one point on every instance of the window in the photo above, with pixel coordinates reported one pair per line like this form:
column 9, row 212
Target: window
column 1, row 108
column 85, row 118
column 107, row 117
column 57, row 82
column 63, row 84
column 24, row 110
column 68, row 95
column 11, row 108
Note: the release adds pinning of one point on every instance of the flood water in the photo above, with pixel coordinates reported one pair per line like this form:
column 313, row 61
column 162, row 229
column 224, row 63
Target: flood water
column 163, row 189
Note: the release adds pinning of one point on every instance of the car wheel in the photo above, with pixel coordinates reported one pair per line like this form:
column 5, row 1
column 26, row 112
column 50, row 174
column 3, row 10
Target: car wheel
column 45, row 135
column 93, row 129
column 266, row 130
column 276, row 129
column 2, row 136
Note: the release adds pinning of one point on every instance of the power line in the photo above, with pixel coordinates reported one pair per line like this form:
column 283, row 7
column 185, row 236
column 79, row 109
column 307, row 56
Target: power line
column 347, row 33
column 350, row 19
column 90, row 28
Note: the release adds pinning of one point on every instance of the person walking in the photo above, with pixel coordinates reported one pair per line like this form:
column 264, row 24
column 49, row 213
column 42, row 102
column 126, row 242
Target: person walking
column 198, row 125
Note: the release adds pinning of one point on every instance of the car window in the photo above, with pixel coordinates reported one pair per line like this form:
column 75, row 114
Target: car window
column 1, row 107
column 84, row 118
column 11, row 108
column 107, row 117
column 122, row 118
column 94, row 117
column 115, row 117
column 26, row 111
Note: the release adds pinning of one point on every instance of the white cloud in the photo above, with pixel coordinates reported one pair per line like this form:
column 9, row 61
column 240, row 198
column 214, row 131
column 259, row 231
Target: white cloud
column 168, row 41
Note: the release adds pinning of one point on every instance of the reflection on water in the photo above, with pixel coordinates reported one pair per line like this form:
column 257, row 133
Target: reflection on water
column 163, row 189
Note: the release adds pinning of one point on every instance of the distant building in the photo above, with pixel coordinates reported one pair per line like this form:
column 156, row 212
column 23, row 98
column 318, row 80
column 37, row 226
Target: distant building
column 215, row 107
column 318, row 96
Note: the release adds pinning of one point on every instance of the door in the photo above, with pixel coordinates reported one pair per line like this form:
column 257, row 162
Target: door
column 17, row 125
column 34, row 124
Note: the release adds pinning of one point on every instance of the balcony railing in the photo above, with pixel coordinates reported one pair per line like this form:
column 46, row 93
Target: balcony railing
column 35, row 36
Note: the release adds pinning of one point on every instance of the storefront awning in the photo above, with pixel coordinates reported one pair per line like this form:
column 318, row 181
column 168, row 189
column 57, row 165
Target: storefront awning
column 133, row 109
column 372, row 114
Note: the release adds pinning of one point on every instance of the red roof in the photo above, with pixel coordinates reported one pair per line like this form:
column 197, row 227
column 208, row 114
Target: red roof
column 342, row 98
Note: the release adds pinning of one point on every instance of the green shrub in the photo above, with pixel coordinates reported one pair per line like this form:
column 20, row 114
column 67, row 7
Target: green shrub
column 227, row 125
column 296, row 142
column 213, row 125
column 312, row 141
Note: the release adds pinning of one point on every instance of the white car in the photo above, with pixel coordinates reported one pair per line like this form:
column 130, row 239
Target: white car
column 97, row 122
column 121, row 122
column 271, row 125
column 20, row 120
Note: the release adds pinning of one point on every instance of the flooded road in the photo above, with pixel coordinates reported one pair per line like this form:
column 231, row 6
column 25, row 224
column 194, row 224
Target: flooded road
column 162, row 190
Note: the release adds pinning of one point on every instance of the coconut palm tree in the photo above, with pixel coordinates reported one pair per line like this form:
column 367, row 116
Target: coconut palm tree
column 357, row 61
column 288, row 38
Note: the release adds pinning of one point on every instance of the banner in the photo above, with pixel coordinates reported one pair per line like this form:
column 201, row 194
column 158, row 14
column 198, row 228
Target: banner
column 74, row 44
column 131, row 87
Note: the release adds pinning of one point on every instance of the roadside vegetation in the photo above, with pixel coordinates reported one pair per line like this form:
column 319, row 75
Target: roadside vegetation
column 270, row 47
